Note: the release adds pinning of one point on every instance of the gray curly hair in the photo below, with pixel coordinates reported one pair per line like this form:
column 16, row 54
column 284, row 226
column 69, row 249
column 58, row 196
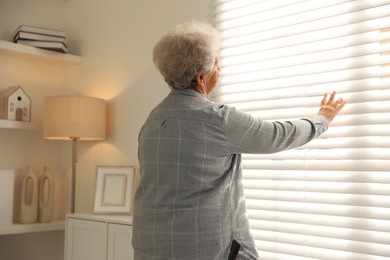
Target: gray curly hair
column 186, row 51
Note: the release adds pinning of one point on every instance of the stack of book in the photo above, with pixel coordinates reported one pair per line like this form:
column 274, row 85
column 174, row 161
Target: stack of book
column 44, row 38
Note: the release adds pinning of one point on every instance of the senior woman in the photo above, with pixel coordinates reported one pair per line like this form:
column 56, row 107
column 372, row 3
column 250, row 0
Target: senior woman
column 190, row 202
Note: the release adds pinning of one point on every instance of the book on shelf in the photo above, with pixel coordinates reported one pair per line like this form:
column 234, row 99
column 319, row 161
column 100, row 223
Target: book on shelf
column 21, row 35
column 40, row 30
column 49, row 45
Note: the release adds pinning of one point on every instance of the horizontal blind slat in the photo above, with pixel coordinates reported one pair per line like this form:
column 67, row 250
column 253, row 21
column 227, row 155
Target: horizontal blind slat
column 353, row 235
column 237, row 9
column 364, row 98
column 344, row 87
column 326, row 154
column 286, row 206
column 320, row 197
column 322, row 187
column 328, row 67
column 352, row 142
column 338, row 245
column 266, row 255
column 321, row 220
column 342, row 58
column 304, row 80
column 320, row 165
column 322, row 175
column 298, row 251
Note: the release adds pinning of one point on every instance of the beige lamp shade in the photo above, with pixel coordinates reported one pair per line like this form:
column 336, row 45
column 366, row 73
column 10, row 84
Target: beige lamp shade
column 69, row 117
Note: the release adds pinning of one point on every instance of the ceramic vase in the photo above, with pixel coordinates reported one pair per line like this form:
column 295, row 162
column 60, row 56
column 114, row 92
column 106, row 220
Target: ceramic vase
column 29, row 198
column 45, row 196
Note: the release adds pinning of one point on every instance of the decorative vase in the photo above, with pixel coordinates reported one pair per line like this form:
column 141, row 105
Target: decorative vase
column 45, row 196
column 29, row 198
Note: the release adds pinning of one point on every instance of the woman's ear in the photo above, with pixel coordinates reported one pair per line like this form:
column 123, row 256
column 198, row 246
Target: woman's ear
column 199, row 79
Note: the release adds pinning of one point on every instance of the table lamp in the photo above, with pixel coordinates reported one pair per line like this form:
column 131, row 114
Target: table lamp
column 75, row 118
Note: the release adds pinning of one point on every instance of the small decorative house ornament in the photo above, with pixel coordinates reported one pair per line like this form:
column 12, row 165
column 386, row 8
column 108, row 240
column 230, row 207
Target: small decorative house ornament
column 15, row 104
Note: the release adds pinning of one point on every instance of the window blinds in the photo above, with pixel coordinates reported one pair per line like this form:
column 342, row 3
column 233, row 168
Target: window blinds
column 329, row 199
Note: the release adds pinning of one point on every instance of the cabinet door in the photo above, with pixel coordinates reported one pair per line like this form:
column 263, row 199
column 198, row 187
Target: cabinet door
column 85, row 240
column 119, row 242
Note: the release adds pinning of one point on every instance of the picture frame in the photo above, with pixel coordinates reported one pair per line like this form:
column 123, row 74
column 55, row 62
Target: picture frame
column 114, row 189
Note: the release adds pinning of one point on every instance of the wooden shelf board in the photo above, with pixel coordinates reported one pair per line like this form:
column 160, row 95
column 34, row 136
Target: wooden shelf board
column 30, row 228
column 32, row 53
column 10, row 124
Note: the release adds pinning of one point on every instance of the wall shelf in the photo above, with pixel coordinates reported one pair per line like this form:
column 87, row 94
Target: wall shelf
column 33, row 53
column 10, row 124
column 30, row 228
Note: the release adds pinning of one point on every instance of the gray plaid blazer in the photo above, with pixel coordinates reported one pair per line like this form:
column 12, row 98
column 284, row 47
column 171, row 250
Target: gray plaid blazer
column 190, row 201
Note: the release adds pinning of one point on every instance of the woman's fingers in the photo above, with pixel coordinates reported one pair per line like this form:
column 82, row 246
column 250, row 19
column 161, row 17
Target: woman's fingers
column 329, row 107
column 340, row 103
column 331, row 99
column 324, row 99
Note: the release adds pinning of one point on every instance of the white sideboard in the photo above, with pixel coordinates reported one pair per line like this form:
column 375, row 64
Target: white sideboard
column 98, row 237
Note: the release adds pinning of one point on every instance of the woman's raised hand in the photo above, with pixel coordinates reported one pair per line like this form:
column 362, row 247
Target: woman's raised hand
column 329, row 107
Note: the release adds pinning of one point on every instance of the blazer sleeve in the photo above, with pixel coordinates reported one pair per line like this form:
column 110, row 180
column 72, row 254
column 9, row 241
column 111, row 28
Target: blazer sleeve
column 248, row 134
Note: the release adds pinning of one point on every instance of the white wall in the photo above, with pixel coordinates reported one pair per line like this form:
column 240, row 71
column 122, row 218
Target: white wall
column 115, row 39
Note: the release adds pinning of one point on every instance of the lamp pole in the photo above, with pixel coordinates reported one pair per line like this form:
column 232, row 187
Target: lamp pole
column 74, row 163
